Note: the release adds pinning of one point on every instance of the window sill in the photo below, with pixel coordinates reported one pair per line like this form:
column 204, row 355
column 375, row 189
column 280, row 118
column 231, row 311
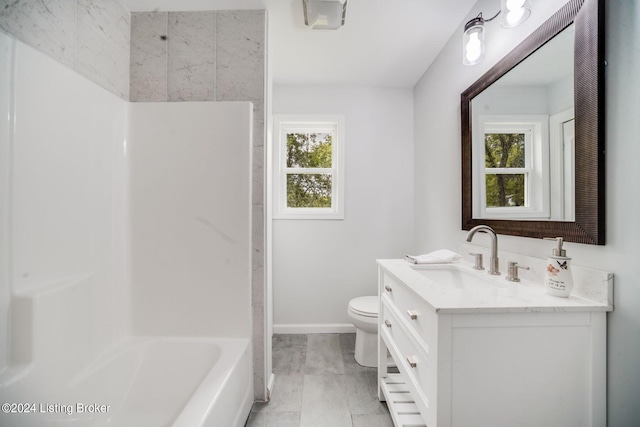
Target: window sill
column 309, row 215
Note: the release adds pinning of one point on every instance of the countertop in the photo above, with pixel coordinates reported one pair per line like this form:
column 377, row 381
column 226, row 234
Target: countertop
column 503, row 296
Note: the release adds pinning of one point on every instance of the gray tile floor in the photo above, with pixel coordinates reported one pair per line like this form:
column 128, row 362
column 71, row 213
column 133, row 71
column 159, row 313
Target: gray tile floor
column 319, row 384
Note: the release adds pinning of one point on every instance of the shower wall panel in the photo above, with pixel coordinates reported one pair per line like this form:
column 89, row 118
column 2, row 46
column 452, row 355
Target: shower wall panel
column 190, row 230
column 213, row 56
column 63, row 205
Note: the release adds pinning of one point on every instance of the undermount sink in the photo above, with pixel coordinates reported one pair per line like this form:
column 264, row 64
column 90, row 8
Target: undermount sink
column 453, row 276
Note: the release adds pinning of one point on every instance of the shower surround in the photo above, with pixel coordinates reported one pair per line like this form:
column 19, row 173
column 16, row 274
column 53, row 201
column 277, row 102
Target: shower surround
column 165, row 56
column 212, row 56
column 125, row 252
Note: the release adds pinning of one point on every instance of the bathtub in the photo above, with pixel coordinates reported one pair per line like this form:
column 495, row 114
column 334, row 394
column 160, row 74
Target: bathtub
column 143, row 382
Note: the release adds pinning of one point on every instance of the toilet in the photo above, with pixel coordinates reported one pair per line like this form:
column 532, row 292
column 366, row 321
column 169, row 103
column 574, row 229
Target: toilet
column 363, row 313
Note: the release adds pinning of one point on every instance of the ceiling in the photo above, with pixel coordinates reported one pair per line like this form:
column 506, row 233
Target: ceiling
column 384, row 43
column 545, row 66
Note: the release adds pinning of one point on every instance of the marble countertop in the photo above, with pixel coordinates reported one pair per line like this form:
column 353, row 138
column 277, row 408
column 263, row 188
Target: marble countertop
column 502, row 296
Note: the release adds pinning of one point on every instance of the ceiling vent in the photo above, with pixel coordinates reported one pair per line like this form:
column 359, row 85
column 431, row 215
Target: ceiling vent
column 324, row 14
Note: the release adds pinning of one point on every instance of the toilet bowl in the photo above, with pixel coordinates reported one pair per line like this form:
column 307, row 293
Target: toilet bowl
column 363, row 313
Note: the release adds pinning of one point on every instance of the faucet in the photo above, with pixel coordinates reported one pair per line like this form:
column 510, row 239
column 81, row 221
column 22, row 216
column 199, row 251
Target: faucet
column 494, row 263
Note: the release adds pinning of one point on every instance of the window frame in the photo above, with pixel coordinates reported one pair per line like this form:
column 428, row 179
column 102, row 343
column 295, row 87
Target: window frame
column 536, row 170
column 308, row 123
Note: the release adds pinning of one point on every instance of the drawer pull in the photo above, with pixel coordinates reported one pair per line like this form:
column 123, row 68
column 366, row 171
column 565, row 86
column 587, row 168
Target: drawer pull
column 387, row 323
column 388, row 288
column 412, row 314
column 412, row 361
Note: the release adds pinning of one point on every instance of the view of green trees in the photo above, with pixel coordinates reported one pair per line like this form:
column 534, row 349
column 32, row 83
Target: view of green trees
column 309, row 150
column 505, row 150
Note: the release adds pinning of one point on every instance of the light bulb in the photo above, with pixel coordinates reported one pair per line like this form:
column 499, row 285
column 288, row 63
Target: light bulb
column 473, row 41
column 514, row 12
column 473, row 50
column 514, row 16
column 514, row 4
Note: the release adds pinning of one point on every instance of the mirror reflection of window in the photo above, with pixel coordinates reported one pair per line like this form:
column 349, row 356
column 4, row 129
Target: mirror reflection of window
column 505, row 169
column 512, row 158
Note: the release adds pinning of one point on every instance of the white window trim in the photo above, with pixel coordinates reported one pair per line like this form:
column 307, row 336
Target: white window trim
column 285, row 123
column 536, row 169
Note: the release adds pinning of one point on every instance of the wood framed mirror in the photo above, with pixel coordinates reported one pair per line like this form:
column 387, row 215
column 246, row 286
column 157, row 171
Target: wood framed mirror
column 587, row 221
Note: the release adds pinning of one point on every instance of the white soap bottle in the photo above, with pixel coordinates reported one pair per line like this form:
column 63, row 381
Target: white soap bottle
column 557, row 278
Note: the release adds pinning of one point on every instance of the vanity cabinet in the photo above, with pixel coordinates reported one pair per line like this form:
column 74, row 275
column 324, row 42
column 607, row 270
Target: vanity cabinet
column 463, row 361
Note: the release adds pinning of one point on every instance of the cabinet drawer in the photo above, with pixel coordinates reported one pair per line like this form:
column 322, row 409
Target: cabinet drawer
column 414, row 358
column 419, row 316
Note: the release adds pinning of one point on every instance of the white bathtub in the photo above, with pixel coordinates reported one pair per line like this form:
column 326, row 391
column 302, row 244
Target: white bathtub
column 144, row 382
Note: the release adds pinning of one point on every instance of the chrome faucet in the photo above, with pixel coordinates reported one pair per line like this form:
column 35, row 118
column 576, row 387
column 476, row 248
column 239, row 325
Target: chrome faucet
column 494, row 263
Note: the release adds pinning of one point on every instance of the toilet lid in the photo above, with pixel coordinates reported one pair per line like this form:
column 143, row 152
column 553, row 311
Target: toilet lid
column 365, row 306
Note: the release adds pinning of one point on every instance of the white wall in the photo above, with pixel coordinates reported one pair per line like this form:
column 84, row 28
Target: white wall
column 190, row 228
column 513, row 100
column 437, row 161
column 319, row 265
column 560, row 95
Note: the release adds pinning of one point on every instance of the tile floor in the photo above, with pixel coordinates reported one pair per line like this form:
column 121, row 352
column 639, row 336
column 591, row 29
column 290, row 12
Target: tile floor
column 319, row 384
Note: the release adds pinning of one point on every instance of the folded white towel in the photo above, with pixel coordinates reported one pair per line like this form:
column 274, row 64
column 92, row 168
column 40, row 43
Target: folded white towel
column 441, row 256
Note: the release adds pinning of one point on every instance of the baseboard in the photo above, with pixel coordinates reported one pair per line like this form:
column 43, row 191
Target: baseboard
column 270, row 386
column 314, row 328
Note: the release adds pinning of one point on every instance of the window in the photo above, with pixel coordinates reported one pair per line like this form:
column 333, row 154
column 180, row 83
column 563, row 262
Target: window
column 507, row 167
column 513, row 167
column 309, row 161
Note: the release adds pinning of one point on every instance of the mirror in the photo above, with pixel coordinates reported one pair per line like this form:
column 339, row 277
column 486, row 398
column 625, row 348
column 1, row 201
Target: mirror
column 532, row 133
column 523, row 138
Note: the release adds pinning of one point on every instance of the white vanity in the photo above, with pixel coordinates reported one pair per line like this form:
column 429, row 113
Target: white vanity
column 476, row 350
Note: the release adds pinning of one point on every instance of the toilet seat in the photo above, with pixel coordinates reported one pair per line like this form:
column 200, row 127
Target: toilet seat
column 365, row 306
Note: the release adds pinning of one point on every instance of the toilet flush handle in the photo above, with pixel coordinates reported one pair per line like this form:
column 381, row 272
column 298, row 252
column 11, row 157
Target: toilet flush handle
column 412, row 361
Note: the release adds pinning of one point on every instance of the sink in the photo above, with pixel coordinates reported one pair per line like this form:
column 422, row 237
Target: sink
column 453, row 276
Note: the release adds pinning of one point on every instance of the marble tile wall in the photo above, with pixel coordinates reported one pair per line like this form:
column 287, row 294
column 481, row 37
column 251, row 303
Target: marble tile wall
column 211, row 56
column 199, row 56
column 148, row 76
column 89, row 36
column 191, row 59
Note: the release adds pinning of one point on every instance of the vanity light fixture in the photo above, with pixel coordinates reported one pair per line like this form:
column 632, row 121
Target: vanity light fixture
column 473, row 39
column 324, row 14
column 514, row 13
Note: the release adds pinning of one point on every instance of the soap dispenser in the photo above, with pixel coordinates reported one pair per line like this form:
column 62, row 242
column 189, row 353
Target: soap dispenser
column 558, row 279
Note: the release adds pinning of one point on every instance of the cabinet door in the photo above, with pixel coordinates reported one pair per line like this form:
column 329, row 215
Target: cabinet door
column 411, row 357
column 417, row 314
